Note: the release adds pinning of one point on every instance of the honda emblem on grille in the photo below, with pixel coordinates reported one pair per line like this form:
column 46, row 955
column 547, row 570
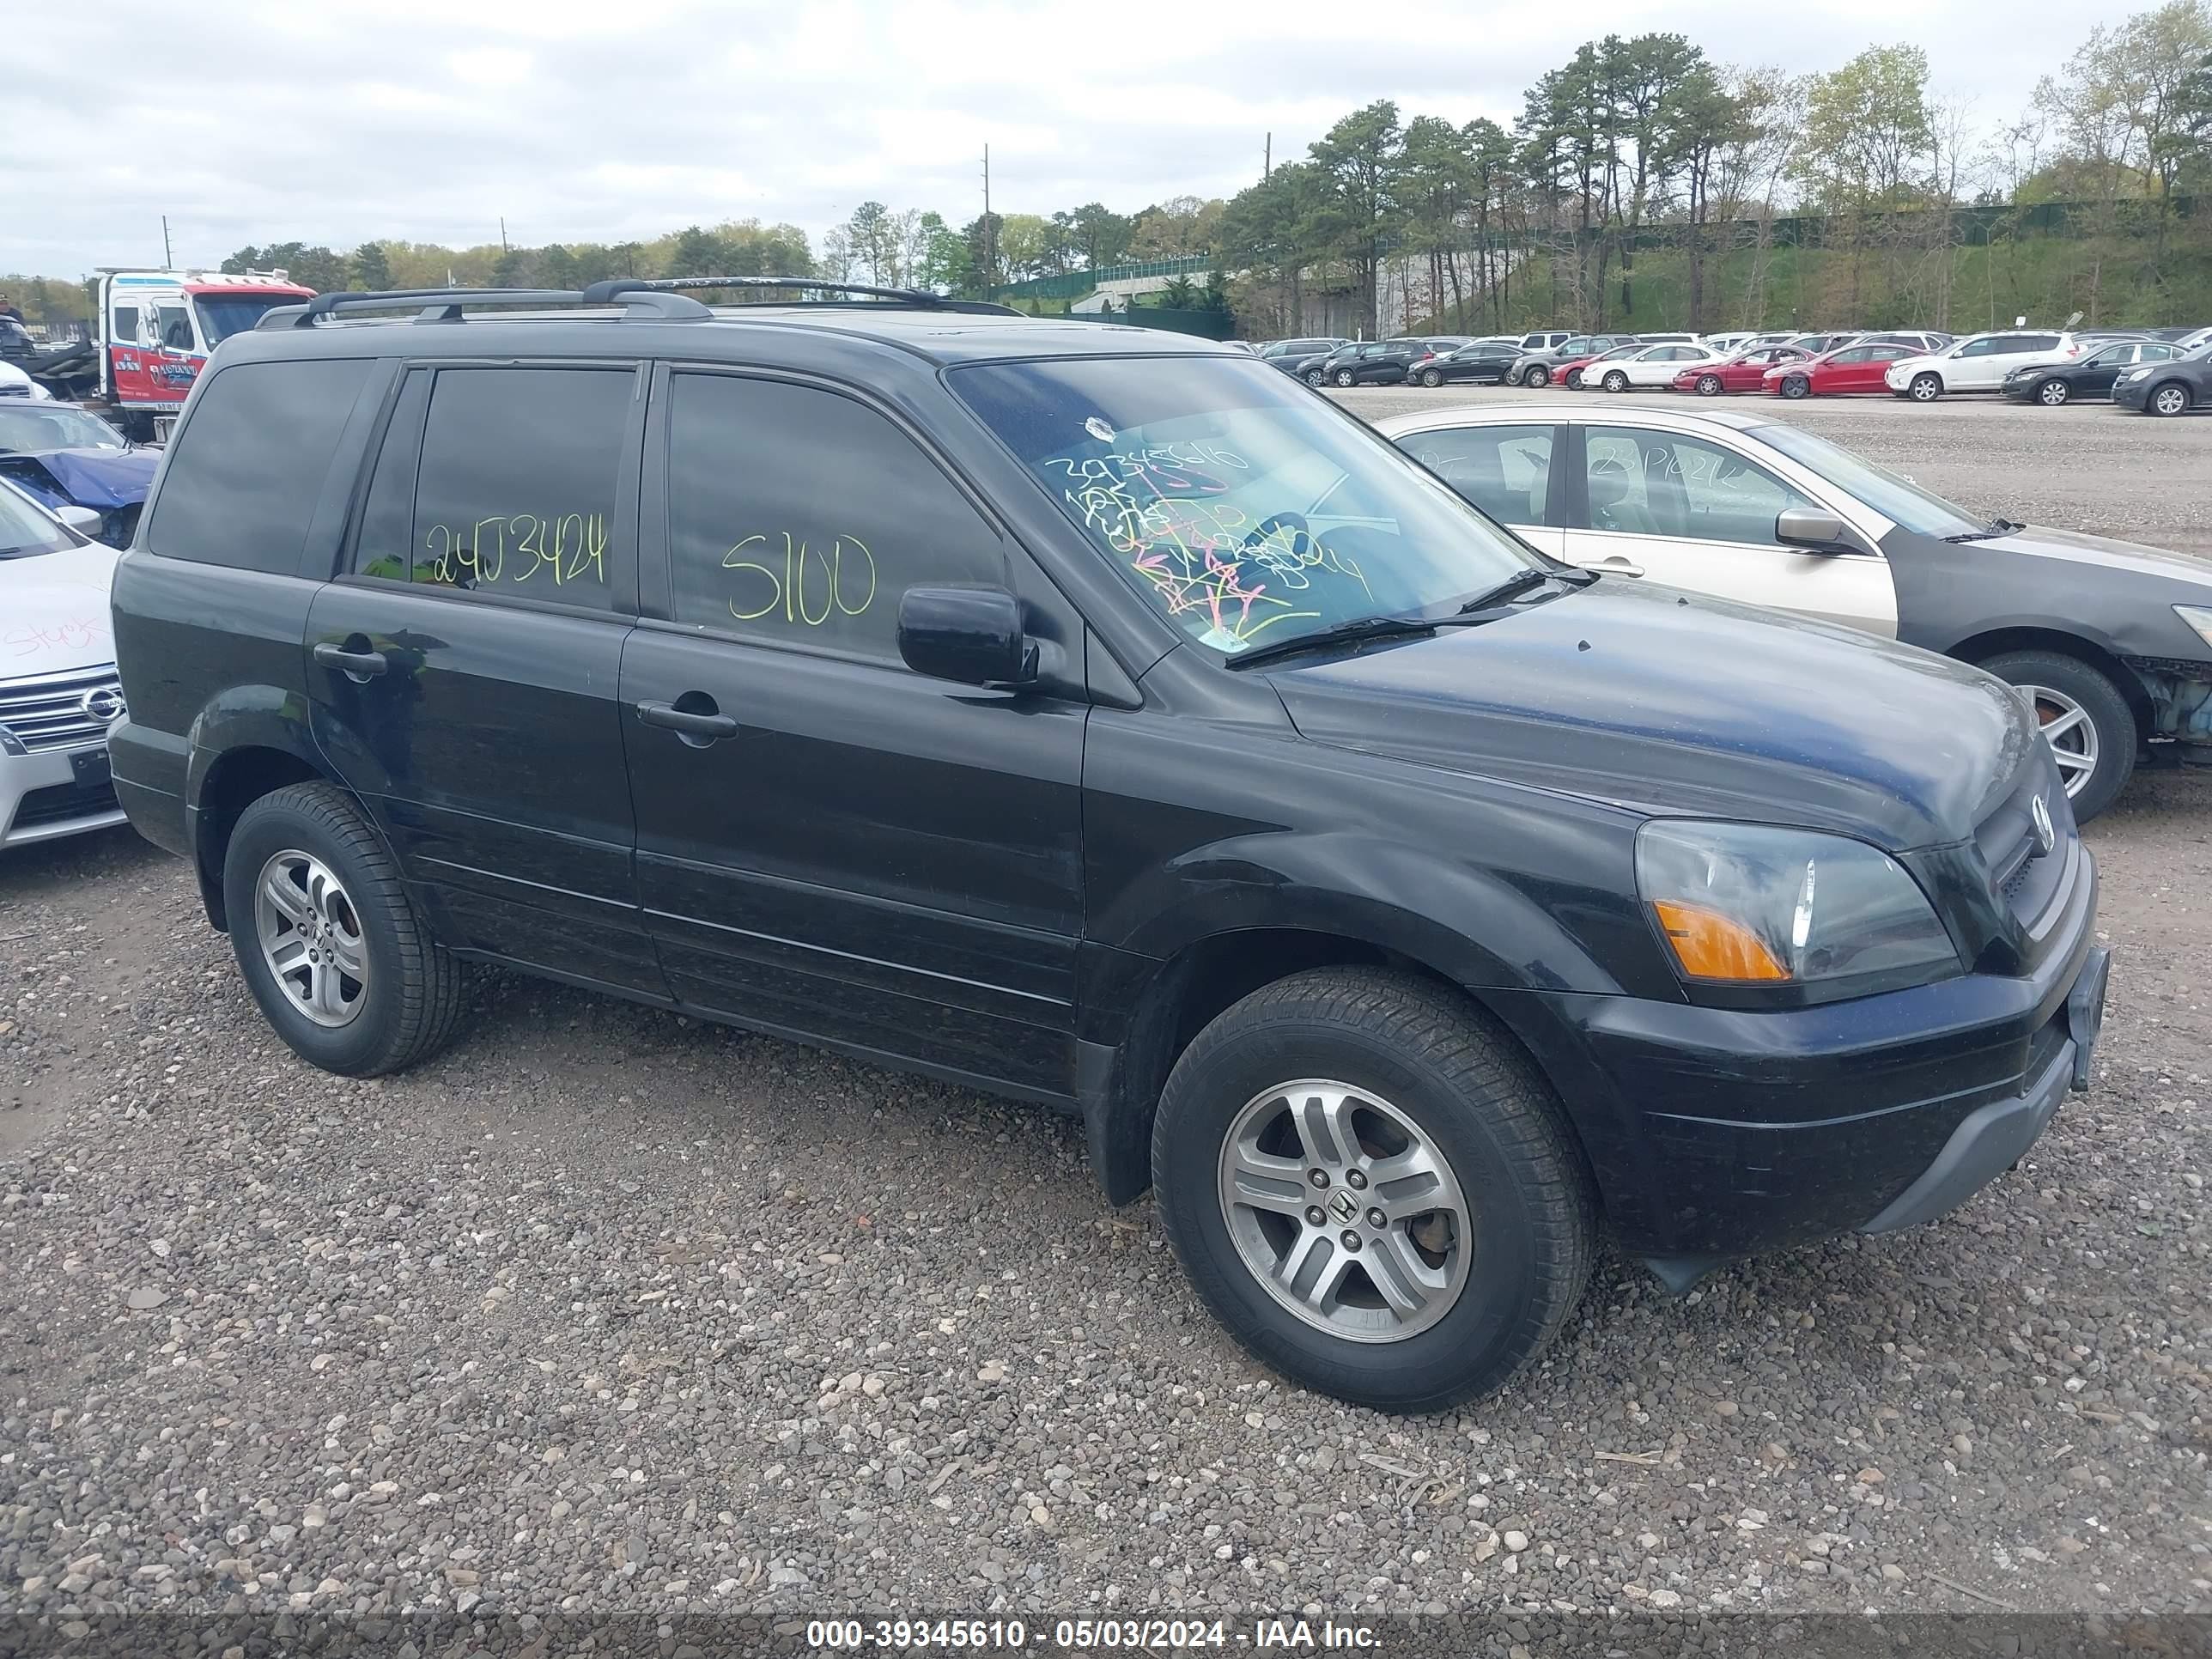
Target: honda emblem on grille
column 105, row 704
column 2046, row 833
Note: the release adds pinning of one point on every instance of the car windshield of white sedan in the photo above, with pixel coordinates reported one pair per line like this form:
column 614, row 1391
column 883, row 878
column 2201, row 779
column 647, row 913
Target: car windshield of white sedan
column 1242, row 507
column 1888, row 493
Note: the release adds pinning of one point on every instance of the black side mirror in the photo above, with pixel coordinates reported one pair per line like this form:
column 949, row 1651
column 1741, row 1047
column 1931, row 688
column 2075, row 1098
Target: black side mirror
column 969, row 635
column 1812, row 528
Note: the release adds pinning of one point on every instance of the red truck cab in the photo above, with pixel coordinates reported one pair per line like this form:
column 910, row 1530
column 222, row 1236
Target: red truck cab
column 153, row 330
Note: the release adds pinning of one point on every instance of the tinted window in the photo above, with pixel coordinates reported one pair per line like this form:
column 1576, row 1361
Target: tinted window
column 2033, row 342
column 1663, row 484
column 126, row 323
column 516, row 489
column 2156, row 353
column 1859, row 354
column 1504, row 470
column 384, row 545
column 801, row 516
column 1981, row 348
column 248, row 467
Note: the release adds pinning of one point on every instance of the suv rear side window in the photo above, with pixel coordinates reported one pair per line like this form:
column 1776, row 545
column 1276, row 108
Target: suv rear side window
column 515, row 492
column 248, row 469
column 800, row 516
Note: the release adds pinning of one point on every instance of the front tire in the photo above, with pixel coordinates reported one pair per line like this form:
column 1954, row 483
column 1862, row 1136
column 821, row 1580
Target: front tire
column 342, row 966
column 1709, row 386
column 1431, row 378
column 1615, row 381
column 1422, row 1115
column 1314, row 377
column 1535, row 376
column 1574, row 381
column 1925, row 388
column 1343, row 377
column 2090, row 728
column 2169, row 400
column 2052, row 394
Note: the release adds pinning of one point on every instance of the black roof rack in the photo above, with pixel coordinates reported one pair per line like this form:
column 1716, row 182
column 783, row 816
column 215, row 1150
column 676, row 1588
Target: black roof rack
column 603, row 293
column 443, row 305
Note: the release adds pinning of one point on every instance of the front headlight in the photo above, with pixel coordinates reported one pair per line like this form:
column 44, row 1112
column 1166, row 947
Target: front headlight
column 2198, row 616
column 1746, row 906
column 2135, row 375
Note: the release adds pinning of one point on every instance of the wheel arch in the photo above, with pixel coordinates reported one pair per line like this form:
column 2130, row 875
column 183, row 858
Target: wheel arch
column 222, row 784
column 2002, row 642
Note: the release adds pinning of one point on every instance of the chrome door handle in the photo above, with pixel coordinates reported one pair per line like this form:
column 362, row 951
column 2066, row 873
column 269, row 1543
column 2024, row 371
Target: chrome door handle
column 357, row 666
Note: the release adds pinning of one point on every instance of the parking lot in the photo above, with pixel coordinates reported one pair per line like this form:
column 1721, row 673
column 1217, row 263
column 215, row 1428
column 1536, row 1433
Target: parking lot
column 608, row 1304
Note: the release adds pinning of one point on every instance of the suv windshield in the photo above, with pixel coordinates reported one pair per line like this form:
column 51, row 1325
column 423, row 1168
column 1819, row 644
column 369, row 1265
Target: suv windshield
column 1246, row 510
column 222, row 315
column 25, row 531
column 1889, row 494
column 53, row 426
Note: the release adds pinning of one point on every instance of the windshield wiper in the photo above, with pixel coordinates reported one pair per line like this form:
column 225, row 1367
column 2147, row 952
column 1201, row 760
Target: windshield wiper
column 1524, row 582
column 1343, row 633
column 1996, row 527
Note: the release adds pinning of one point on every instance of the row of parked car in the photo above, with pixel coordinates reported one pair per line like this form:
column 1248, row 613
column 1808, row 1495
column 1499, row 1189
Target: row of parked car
column 2159, row 371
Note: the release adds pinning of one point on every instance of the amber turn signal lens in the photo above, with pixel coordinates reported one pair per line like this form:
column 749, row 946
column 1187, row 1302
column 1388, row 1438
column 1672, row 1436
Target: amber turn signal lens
column 1710, row 946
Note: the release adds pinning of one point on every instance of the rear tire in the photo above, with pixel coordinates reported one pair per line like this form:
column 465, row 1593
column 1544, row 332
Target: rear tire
column 312, row 842
column 2111, row 740
column 1420, row 1073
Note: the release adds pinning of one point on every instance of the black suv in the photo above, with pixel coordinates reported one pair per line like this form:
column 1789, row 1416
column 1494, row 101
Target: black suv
column 1100, row 719
column 1374, row 362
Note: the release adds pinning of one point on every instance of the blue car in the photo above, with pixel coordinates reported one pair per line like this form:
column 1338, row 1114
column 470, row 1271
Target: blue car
column 63, row 456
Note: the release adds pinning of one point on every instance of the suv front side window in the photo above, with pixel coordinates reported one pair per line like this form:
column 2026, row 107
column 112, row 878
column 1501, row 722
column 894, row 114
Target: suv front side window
column 772, row 536
column 514, row 493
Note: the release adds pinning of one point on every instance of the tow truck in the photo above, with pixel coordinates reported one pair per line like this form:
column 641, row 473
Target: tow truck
column 151, row 334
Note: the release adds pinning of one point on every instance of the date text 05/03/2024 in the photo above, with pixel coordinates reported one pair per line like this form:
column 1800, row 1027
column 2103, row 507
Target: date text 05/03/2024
column 1089, row 1635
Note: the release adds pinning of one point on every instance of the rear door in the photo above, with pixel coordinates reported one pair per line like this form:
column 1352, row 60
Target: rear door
column 844, row 850
column 1691, row 511
column 1505, row 470
column 463, row 671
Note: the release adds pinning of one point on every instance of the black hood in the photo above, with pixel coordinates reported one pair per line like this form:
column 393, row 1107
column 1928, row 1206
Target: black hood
column 1667, row 703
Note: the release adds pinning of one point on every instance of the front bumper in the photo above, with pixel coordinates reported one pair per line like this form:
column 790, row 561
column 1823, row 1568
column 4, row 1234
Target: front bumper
column 1717, row 1134
column 50, row 793
column 2131, row 394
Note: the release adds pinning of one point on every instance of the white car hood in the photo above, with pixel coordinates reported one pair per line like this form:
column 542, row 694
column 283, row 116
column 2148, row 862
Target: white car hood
column 53, row 612
column 14, row 383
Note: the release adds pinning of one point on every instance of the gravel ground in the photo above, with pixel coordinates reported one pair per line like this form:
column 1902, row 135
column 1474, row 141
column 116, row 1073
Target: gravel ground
column 2088, row 466
column 611, row 1311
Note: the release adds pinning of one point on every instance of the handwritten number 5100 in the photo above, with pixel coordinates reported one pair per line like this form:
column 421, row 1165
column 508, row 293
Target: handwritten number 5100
column 840, row 576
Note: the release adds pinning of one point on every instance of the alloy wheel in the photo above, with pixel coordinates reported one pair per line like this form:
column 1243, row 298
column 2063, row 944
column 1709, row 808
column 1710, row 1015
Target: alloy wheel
column 2070, row 732
column 1345, row 1211
column 1709, row 386
column 2051, row 393
column 1343, row 377
column 1537, row 376
column 311, row 938
column 2170, row 400
column 1616, row 381
column 1796, row 386
column 1314, row 377
column 1926, row 389
column 1430, row 377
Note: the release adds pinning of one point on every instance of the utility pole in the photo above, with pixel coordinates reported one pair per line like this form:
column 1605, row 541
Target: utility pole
column 502, row 232
column 1267, row 159
column 990, row 239
column 168, row 262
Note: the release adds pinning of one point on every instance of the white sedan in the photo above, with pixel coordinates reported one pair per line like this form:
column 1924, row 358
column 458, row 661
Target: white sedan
column 14, row 383
column 1656, row 366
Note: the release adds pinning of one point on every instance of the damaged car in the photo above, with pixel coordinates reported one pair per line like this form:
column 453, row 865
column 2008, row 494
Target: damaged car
column 62, row 456
column 2110, row 643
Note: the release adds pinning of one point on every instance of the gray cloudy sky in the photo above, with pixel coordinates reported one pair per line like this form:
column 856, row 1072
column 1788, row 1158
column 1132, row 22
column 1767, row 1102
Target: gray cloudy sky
column 426, row 119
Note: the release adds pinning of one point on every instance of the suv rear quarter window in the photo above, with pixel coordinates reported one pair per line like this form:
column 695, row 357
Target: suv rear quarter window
column 249, row 466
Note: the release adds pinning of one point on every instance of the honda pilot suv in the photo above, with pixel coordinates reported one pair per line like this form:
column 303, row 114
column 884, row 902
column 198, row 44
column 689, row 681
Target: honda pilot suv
column 1096, row 717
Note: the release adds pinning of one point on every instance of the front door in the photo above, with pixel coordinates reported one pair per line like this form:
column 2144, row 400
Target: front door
column 462, row 673
column 1861, row 368
column 830, row 846
column 1505, row 470
column 1691, row 512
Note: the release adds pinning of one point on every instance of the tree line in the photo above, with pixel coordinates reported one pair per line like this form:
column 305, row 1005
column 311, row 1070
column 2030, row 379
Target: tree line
column 1634, row 141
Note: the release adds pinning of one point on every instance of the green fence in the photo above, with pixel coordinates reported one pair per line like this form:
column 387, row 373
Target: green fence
column 1207, row 325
